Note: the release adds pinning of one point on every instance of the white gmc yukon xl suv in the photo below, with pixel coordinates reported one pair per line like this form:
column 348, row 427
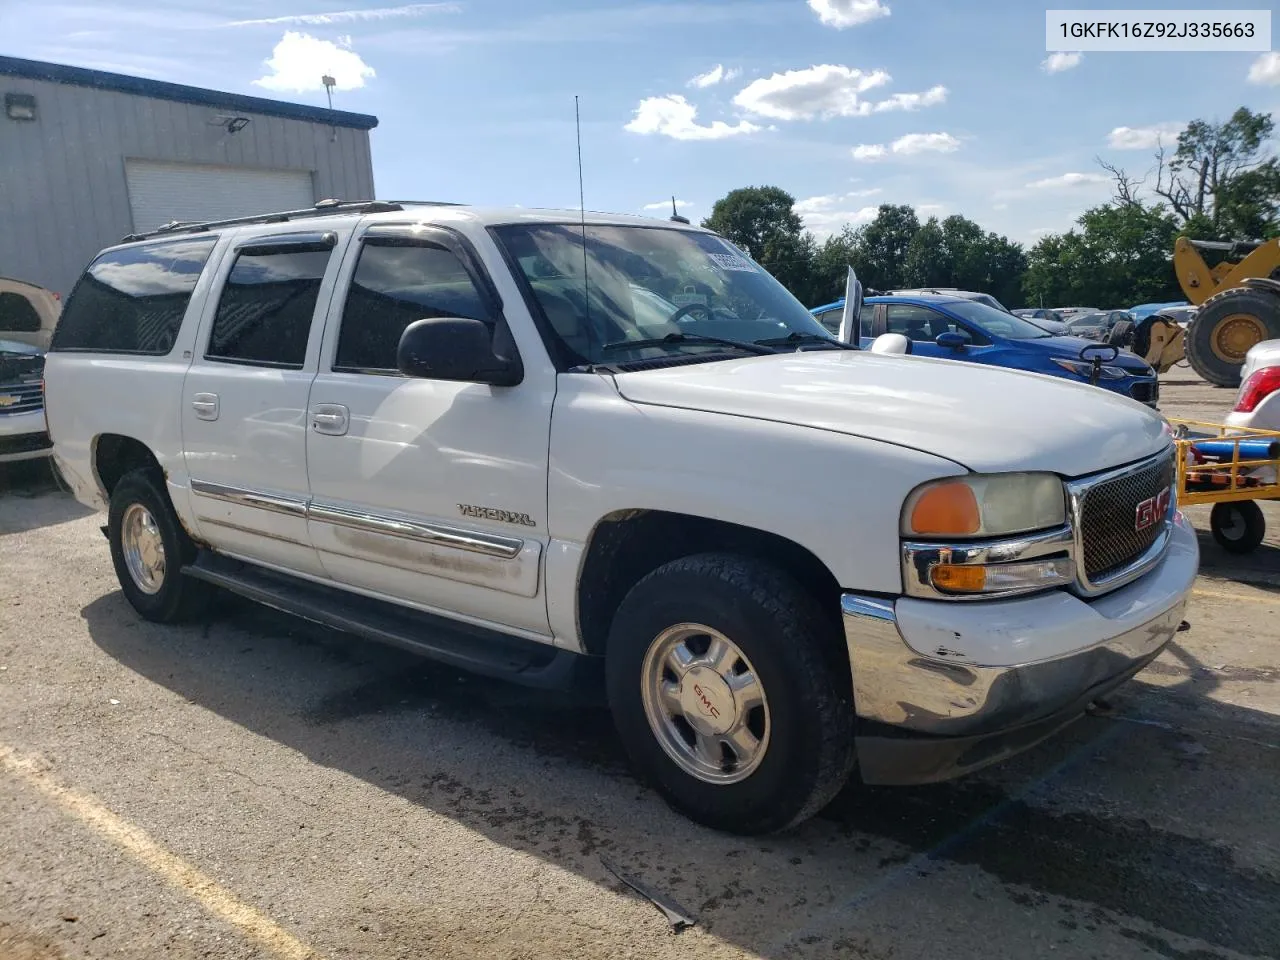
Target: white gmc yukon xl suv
column 616, row 455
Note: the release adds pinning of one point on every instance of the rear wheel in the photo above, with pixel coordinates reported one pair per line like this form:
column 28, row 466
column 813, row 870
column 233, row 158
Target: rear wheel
column 1226, row 327
column 1238, row 527
column 149, row 549
column 725, row 693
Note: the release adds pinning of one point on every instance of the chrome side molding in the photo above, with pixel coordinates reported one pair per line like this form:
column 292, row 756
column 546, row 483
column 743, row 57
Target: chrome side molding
column 434, row 534
column 275, row 503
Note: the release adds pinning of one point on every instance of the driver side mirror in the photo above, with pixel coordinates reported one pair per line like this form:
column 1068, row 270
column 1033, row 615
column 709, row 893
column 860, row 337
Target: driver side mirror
column 455, row 348
column 951, row 340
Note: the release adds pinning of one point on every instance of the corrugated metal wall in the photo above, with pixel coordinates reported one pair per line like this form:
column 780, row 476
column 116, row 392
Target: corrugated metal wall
column 63, row 195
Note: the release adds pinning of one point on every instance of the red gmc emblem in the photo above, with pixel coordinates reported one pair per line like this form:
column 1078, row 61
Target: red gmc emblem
column 1150, row 511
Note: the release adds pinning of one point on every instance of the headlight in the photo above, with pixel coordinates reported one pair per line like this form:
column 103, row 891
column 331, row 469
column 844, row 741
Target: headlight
column 985, row 505
column 986, row 536
column 1083, row 369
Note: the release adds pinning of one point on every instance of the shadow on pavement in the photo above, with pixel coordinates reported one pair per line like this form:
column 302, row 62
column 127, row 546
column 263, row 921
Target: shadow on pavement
column 33, row 496
column 539, row 773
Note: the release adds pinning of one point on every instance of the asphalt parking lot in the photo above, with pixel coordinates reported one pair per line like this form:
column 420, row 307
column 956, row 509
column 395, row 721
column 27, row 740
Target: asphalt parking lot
column 259, row 787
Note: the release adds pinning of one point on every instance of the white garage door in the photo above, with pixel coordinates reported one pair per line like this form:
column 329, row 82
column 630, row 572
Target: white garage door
column 160, row 192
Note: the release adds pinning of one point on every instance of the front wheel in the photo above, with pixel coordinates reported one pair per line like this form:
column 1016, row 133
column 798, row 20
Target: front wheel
column 726, row 696
column 1237, row 526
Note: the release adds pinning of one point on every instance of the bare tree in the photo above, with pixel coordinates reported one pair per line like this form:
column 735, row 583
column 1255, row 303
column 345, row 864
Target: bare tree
column 1126, row 186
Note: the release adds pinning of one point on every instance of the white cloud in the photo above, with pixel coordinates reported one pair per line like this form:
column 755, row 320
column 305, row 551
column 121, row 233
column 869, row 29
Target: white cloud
column 1069, row 180
column 674, row 116
column 825, row 215
column 930, row 209
column 913, row 101
column 352, row 16
column 1266, row 70
column 914, row 143
column 299, row 60
column 999, row 206
column 825, row 90
column 908, row 145
column 717, row 74
column 1143, row 138
column 1057, row 62
column 666, row 205
column 848, row 13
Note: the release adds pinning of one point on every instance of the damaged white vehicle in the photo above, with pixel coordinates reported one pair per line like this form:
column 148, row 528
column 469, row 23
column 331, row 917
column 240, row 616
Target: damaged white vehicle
column 613, row 452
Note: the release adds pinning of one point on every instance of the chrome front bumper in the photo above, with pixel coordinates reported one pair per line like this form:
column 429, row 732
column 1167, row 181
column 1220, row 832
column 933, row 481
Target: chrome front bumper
column 943, row 688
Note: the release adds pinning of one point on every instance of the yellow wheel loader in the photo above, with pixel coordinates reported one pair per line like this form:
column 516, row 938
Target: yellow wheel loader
column 1239, row 301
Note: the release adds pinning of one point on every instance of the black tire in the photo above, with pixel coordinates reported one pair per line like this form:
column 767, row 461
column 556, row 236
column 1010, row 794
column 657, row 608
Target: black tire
column 179, row 597
column 781, row 631
column 1121, row 334
column 1263, row 305
column 1238, row 526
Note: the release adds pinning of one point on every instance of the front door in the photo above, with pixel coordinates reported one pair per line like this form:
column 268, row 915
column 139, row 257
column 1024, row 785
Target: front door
column 244, row 415
column 922, row 326
column 427, row 492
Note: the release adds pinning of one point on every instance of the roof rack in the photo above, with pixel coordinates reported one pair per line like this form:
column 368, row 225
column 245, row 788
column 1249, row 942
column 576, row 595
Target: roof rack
column 322, row 209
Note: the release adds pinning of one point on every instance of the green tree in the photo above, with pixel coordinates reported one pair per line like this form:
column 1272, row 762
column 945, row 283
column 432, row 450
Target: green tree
column 830, row 266
column 1121, row 254
column 762, row 221
column 882, row 246
column 928, row 261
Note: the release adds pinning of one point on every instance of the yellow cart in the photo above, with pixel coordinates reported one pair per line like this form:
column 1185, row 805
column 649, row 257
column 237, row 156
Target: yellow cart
column 1229, row 479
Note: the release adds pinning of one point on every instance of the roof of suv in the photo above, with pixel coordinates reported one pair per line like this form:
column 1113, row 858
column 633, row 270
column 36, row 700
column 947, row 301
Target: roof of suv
column 397, row 211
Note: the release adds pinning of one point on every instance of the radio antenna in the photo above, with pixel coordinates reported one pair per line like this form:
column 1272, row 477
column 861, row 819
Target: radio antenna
column 582, row 220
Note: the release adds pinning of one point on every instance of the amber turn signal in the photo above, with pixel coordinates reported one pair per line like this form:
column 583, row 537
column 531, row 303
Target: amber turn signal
column 947, row 509
column 957, row 578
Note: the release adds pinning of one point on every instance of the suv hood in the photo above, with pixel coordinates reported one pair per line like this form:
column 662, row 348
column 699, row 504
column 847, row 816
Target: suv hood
column 988, row 419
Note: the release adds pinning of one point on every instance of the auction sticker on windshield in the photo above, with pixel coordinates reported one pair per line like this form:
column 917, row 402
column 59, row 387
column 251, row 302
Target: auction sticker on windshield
column 728, row 261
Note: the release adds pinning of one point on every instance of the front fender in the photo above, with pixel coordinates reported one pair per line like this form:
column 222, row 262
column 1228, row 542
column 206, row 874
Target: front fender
column 836, row 495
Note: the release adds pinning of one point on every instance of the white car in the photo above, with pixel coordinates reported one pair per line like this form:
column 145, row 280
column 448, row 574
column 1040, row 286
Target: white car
column 22, row 427
column 1258, row 399
column 457, row 430
column 28, row 313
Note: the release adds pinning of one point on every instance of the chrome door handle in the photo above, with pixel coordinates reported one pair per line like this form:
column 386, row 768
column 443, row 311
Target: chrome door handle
column 331, row 419
column 205, row 405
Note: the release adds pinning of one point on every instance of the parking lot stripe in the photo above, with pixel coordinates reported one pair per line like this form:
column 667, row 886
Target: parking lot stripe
column 216, row 899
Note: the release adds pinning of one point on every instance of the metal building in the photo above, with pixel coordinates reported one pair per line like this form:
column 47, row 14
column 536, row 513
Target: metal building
column 87, row 157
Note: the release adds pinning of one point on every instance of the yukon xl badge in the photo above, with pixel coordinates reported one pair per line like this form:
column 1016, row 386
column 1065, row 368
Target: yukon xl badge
column 493, row 513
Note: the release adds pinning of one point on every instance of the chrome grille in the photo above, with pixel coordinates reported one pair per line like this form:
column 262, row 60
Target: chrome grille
column 20, row 397
column 1108, row 512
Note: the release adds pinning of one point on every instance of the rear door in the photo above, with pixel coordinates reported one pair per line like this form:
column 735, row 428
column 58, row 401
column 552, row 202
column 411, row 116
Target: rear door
column 244, row 413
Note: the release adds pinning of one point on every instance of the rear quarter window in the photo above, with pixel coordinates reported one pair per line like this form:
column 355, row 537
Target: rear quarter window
column 17, row 315
column 133, row 300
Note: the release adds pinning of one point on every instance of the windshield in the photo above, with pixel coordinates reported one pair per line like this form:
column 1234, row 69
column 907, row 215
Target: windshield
column 997, row 322
column 646, row 283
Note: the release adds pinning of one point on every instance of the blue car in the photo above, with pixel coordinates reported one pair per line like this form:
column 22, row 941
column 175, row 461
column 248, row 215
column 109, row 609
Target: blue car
column 958, row 329
column 1143, row 310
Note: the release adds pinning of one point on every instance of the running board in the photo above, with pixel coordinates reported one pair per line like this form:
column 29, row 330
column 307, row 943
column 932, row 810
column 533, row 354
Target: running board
column 461, row 645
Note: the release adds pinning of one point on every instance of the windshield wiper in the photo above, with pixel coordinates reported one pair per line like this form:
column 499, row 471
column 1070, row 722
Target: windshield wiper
column 797, row 338
column 759, row 348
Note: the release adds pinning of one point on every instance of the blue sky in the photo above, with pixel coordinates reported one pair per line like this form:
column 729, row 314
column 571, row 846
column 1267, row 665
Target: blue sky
column 953, row 107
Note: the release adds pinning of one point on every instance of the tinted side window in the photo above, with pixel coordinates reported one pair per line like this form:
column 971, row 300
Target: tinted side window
column 133, row 300
column 17, row 314
column 395, row 284
column 924, row 325
column 914, row 323
column 831, row 320
column 265, row 311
